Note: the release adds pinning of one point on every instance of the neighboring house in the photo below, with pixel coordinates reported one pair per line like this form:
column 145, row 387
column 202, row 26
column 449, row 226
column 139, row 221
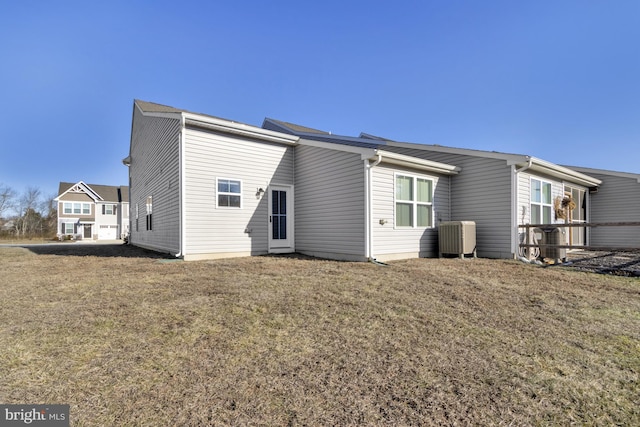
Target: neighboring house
column 90, row 211
column 206, row 187
column 617, row 200
column 8, row 225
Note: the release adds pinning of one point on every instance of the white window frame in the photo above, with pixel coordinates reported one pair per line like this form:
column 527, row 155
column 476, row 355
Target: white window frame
column 109, row 209
column 225, row 193
column 541, row 203
column 414, row 202
column 149, row 204
column 68, row 208
column 68, row 224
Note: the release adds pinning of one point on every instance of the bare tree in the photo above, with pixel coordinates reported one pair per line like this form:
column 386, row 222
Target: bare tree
column 7, row 196
column 29, row 220
column 50, row 215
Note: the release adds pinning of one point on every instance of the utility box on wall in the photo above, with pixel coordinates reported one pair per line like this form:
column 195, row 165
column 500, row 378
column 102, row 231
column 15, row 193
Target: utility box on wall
column 457, row 238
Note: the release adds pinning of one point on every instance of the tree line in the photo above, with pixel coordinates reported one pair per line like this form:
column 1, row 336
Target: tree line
column 27, row 214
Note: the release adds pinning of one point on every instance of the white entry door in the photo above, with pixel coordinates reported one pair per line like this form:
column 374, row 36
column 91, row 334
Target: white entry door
column 280, row 219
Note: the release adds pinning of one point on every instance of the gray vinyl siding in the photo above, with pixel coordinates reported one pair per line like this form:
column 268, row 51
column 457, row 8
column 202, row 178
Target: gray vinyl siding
column 481, row 192
column 390, row 242
column 155, row 172
column 617, row 200
column 224, row 230
column 330, row 203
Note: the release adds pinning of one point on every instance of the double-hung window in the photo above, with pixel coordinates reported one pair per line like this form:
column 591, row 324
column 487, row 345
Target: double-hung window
column 541, row 206
column 414, row 201
column 229, row 193
column 108, row 209
column 76, row 208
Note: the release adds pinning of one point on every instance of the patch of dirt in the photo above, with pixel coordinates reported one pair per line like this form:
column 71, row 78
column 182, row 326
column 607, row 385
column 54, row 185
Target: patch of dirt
column 102, row 250
column 614, row 263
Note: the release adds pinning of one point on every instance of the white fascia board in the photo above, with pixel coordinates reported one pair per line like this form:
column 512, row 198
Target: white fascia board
column 510, row 158
column 242, row 129
column 416, row 163
column 552, row 169
column 90, row 192
column 366, row 153
column 97, row 196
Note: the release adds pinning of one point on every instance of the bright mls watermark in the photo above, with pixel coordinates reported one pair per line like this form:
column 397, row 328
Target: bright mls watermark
column 34, row 415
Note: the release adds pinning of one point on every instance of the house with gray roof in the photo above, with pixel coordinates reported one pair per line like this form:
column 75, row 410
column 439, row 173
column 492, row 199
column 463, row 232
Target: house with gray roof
column 92, row 211
column 499, row 192
column 206, row 187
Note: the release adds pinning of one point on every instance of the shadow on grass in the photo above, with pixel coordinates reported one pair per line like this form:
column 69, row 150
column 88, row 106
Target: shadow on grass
column 116, row 250
column 613, row 263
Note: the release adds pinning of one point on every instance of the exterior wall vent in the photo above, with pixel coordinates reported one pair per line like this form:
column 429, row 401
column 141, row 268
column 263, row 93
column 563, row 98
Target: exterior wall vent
column 457, row 238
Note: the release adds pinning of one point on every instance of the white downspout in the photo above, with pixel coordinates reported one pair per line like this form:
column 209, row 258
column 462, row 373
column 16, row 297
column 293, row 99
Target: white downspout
column 525, row 167
column 369, row 206
column 182, row 188
column 514, row 207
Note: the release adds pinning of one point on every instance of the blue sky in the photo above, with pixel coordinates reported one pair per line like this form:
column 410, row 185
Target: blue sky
column 559, row 80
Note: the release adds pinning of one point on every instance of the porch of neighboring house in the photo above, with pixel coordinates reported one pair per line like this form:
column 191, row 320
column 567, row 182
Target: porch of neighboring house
column 79, row 230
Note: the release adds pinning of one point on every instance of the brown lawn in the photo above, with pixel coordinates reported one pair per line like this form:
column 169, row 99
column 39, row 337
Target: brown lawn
column 127, row 338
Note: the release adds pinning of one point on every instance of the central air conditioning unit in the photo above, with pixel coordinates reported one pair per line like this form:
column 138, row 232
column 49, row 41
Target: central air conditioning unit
column 553, row 237
column 457, row 238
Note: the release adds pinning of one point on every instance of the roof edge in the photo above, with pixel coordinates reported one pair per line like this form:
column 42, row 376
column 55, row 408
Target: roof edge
column 562, row 172
column 463, row 151
column 227, row 126
column 92, row 193
column 415, row 162
column 618, row 174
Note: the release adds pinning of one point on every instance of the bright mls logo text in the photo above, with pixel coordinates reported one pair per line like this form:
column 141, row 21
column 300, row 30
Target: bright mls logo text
column 38, row 415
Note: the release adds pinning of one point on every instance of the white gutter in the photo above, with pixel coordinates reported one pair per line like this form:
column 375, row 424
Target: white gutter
column 417, row 163
column 377, row 162
column 557, row 171
column 182, row 188
column 369, row 205
column 525, row 167
column 514, row 204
